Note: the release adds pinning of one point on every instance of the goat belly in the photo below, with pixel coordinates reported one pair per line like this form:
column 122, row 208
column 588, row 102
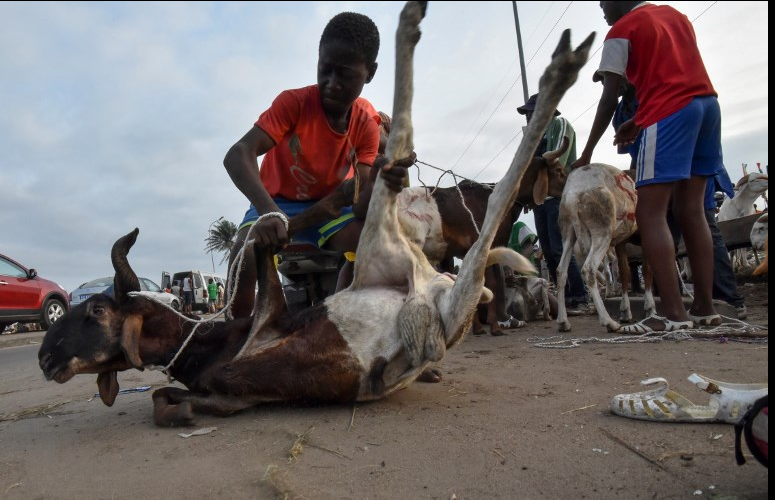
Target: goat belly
column 313, row 364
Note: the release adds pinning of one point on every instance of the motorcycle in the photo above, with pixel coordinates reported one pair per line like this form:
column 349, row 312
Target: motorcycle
column 309, row 274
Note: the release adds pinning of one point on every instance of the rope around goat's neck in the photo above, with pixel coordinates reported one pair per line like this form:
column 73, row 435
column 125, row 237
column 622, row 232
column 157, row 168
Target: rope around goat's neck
column 182, row 320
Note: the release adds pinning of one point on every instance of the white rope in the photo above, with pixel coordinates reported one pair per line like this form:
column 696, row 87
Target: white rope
column 457, row 186
column 186, row 319
column 730, row 329
column 278, row 215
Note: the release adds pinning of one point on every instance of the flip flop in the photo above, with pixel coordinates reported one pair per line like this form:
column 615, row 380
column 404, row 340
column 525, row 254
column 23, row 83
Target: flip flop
column 668, row 326
column 728, row 402
column 511, row 323
column 709, row 320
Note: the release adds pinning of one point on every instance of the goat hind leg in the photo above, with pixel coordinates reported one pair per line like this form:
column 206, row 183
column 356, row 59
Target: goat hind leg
column 562, row 278
column 589, row 272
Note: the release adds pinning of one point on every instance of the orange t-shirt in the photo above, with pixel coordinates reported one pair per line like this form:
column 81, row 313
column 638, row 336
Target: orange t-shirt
column 310, row 159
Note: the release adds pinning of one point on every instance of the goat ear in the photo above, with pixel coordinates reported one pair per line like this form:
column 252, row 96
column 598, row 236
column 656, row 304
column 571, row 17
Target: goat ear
column 107, row 383
column 130, row 340
column 541, row 187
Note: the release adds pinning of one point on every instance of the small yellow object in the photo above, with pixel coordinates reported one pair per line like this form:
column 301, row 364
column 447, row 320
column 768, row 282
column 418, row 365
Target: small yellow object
column 350, row 256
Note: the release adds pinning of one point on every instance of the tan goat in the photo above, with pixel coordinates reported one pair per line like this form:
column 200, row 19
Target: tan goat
column 597, row 211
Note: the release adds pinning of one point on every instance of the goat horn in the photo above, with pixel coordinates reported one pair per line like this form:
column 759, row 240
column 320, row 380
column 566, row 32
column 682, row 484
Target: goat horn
column 125, row 280
column 553, row 156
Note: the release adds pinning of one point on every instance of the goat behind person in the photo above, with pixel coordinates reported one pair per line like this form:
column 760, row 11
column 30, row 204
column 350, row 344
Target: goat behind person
column 360, row 344
column 597, row 211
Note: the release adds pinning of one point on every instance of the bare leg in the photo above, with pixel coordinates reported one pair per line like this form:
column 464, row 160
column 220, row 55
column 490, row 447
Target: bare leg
column 493, row 279
column 689, row 211
column 658, row 247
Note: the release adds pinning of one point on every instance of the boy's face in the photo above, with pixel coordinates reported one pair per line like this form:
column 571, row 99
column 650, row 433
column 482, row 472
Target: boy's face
column 342, row 73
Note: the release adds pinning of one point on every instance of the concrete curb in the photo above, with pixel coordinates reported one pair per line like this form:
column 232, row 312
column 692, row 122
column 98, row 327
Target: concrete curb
column 17, row 339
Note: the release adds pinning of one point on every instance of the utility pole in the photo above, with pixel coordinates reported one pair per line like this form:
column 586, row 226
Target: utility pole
column 521, row 55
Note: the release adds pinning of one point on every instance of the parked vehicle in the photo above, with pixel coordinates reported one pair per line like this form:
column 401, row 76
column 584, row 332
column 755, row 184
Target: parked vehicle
column 26, row 297
column 201, row 278
column 103, row 285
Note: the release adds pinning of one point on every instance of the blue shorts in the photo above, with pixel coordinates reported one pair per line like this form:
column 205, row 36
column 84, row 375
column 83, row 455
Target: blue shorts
column 317, row 235
column 684, row 144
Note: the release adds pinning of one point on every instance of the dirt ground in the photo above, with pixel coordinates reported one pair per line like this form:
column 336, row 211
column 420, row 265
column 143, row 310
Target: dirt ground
column 509, row 420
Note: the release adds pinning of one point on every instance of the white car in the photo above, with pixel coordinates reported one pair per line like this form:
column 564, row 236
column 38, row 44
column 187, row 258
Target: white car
column 105, row 285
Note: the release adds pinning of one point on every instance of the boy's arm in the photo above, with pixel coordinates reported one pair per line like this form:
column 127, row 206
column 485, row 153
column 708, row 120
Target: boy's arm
column 241, row 164
column 393, row 173
column 605, row 112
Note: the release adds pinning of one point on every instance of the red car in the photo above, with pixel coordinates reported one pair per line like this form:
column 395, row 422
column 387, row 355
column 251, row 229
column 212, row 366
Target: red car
column 28, row 298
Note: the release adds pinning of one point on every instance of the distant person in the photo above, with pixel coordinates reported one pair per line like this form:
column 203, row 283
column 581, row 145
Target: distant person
column 175, row 288
column 212, row 295
column 188, row 294
column 221, row 292
column 523, row 240
column 547, row 216
column 167, row 288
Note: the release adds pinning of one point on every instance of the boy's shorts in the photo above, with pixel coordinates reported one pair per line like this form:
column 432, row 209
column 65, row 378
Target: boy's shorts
column 686, row 143
column 317, row 235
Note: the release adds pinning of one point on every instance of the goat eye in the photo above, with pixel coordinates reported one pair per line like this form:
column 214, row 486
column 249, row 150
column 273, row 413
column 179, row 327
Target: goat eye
column 98, row 310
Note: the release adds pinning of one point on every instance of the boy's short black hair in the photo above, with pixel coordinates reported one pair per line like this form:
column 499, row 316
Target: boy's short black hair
column 356, row 30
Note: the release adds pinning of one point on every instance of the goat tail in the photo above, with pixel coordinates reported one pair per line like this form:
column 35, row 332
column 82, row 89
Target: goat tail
column 508, row 257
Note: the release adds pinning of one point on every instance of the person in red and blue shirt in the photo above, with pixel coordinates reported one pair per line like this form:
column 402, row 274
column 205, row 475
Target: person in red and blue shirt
column 312, row 139
column 679, row 121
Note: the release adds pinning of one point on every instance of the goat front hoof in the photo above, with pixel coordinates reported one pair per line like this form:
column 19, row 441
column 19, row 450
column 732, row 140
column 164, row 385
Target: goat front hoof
column 613, row 327
column 564, row 327
column 180, row 415
column 430, row 375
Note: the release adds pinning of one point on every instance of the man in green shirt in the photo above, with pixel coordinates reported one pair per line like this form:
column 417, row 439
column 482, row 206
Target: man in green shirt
column 547, row 215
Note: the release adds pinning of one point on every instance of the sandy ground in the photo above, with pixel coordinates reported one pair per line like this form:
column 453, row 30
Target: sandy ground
column 509, row 420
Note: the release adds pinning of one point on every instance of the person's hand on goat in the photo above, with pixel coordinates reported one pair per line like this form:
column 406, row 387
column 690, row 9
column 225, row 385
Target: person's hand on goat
column 584, row 160
column 626, row 133
column 395, row 173
column 271, row 232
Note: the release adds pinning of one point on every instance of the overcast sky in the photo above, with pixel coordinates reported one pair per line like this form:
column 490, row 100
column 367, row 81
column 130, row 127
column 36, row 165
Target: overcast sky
column 118, row 115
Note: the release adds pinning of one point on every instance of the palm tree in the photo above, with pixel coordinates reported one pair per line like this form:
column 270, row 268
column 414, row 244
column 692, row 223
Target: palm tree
column 221, row 238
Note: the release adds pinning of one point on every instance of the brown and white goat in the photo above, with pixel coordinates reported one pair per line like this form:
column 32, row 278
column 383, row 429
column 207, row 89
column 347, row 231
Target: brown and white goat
column 445, row 222
column 597, row 212
column 359, row 344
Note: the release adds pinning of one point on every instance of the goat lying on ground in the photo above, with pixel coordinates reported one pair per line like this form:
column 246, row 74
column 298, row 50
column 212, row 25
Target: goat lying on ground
column 764, row 267
column 597, row 211
column 529, row 298
column 759, row 232
column 360, row 344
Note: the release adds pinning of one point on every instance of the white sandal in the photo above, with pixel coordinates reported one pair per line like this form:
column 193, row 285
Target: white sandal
column 728, row 402
column 669, row 326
